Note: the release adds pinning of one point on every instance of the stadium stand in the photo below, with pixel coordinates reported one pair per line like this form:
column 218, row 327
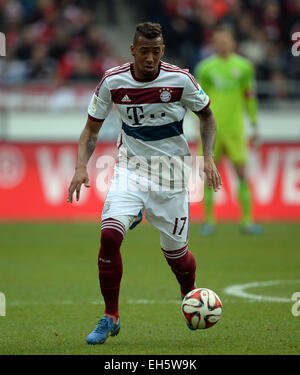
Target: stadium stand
column 65, row 40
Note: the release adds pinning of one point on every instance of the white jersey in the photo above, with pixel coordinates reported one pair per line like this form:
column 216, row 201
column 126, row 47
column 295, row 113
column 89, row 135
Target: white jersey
column 151, row 110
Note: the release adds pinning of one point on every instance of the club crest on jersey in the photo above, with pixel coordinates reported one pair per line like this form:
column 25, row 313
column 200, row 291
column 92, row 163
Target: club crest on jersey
column 165, row 95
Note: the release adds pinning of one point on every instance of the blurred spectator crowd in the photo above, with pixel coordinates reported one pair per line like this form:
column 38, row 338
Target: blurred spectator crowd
column 263, row 30
column 62, row 41
column 53, row 41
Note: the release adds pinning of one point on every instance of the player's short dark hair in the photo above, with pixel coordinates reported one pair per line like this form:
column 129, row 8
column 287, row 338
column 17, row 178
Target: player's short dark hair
column 148, row 30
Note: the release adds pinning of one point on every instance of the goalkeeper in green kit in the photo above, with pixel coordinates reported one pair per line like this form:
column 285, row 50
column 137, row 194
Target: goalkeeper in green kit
column 229, row 81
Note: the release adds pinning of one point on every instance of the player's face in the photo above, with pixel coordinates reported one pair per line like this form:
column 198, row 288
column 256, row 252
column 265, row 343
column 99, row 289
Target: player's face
column 223, row 42
column 147, row 54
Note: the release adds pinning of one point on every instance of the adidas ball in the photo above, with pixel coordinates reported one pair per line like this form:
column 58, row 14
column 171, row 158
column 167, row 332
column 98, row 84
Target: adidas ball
column 201, row 308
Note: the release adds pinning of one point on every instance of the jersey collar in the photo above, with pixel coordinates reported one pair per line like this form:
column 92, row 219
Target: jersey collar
column 145, row 79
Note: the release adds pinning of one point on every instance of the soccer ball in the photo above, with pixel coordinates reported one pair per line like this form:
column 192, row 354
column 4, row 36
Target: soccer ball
column 201, row 308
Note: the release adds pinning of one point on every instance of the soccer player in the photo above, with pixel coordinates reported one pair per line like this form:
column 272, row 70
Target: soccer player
column 229, row 81
column 152, row 97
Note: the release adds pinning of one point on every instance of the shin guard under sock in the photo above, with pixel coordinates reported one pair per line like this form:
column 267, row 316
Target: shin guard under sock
column 183, row 265
column 110, row 264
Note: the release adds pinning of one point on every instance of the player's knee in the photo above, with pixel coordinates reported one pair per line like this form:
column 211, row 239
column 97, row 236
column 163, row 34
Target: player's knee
column 110, row 238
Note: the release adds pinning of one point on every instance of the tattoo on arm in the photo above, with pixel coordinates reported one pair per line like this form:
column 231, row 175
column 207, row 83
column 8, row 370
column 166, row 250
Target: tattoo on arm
column 208, row 131
column 87, row 143
column 90, row 145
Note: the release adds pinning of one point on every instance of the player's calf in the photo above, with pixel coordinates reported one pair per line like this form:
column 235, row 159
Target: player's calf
column 110, row 264
column 183, row 265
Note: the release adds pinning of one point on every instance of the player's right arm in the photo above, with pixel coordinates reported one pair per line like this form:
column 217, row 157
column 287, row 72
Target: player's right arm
column 86, row 147
column 99, row 107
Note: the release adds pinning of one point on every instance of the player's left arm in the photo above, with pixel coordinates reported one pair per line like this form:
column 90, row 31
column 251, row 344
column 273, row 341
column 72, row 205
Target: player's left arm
column 208, row 129
column 194, row 98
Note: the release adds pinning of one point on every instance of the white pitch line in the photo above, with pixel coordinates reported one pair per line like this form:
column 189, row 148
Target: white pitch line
column 238, row 290
column 130, row 302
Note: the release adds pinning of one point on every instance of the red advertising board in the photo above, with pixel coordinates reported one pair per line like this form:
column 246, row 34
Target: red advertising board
column 34, row 179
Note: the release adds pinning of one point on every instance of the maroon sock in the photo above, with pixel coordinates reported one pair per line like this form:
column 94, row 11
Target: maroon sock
column 110, row 264
column 183, row 265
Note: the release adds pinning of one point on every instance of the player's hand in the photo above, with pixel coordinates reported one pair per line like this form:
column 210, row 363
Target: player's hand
column 80, row 177
column 212, row 174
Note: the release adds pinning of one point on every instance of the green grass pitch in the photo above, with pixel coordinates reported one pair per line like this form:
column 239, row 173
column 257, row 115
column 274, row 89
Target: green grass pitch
column 48, row 272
